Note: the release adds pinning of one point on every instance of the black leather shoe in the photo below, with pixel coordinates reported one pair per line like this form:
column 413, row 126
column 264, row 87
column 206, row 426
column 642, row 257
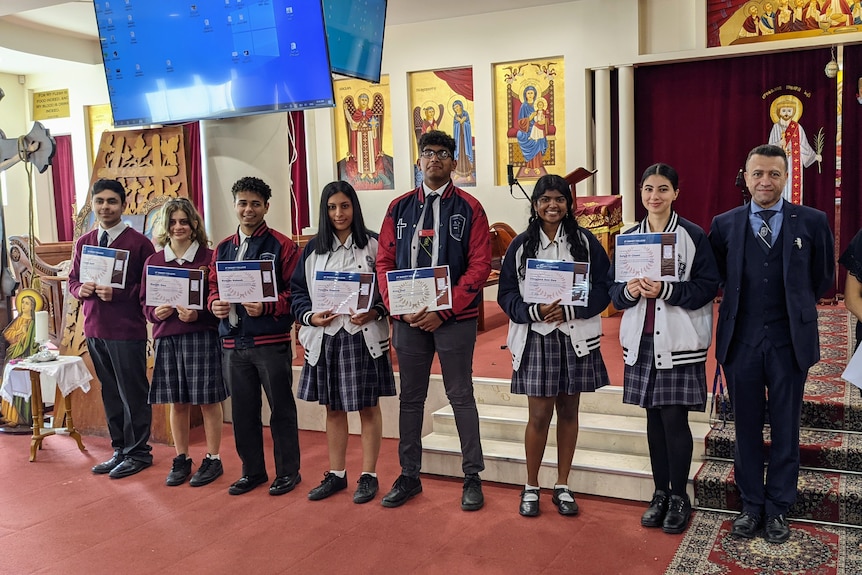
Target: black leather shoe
column 471, row 496
column 776, row 530
column 746, row 525
column 654, row 516
column 367, row 489
column 181, row 468
column 403, row 489
column 529, row 507
column 128, row 467
column 285, row 483
column 330, row 485
column 108, row 465
column 565, row 507
column 678, row 514
column 246, row 483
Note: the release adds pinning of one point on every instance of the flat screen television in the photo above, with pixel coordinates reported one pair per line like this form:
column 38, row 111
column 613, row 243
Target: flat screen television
column 173, row 61
column 354, row 32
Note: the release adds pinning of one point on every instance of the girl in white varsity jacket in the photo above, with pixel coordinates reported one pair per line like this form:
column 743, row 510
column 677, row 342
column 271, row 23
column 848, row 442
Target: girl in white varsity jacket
column 347, row 365
column 555, row 348
column 665, row 334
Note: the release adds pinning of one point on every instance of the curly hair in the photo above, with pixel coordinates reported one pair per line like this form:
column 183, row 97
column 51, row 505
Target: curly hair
column 254, row 185
column 580, row 252
column 162, row 231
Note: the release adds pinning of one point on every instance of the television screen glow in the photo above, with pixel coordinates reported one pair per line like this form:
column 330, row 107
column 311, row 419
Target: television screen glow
column 170, row 61
column 354, row 31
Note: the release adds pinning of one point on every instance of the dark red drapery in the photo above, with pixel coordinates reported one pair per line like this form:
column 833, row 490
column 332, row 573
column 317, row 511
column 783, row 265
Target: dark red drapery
column 63, row 176
column 704, row 117
column 851, row 168
column 298, row 172
column 195, row 174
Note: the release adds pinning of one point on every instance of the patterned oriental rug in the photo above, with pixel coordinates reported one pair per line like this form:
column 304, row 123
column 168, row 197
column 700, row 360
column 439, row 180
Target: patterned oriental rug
column 709, row 549
column 830, row 481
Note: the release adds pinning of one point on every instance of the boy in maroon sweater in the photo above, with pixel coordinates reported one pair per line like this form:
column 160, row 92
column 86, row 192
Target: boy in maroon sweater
column 116, row 333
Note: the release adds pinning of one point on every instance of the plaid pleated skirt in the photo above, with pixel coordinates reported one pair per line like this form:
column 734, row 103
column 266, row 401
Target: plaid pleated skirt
column 188, row 369
column 550, row 367
column 346, row 377
column 646, row 386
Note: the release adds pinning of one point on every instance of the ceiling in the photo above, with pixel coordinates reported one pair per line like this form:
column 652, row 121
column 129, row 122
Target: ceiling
column 37, row 36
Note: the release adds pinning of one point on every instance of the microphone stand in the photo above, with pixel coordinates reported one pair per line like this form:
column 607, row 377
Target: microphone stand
column 515, row 182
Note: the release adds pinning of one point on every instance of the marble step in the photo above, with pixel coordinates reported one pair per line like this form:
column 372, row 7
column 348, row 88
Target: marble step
column 625, row 476
column 608, row 399
column 624, row 434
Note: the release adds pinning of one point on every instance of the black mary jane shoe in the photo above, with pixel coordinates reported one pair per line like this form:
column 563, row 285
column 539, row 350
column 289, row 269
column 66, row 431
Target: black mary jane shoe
column 529, row 508
column 565, row 507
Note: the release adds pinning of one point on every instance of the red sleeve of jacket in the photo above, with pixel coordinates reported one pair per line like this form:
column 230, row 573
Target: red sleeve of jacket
column 386, row 253
column 212, row 278
column 285, row 266
column 75, row 271
column 478, row 264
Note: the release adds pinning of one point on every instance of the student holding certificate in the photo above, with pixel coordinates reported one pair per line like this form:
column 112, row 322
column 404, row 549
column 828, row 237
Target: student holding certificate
column 665, row 333
column 347, row 365
column 188, row 359
column 255, row 339
column 555, row 348
column 116, row 331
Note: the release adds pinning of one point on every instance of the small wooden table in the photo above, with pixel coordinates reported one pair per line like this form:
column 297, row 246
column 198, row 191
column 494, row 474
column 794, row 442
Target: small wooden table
column 66, row 373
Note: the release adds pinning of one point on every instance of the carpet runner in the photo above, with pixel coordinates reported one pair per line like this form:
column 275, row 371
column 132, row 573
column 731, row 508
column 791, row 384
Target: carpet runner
column 709, row 549
column 830, row 483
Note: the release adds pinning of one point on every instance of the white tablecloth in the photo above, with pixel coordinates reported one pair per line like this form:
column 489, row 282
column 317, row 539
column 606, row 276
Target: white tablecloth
column 68, row 372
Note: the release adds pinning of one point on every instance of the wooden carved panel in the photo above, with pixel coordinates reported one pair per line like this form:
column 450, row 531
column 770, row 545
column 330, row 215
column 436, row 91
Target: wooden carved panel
column 152, row 165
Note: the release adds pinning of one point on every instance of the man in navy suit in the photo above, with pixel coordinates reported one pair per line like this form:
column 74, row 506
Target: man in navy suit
column 776, row 260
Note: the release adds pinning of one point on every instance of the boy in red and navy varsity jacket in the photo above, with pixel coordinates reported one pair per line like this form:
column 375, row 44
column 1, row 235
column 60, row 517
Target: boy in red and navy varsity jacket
column 116, row 333
column 434, row 225
column 256, row 344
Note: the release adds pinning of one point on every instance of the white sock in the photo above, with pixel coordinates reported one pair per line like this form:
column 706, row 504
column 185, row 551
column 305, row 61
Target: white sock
column 340, row 474
column 372, row 474
column 213, row 456
column 564, row 496
column 530, row 496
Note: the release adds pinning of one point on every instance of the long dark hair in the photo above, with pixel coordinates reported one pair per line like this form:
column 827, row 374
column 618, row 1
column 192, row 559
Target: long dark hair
column 579, row 251
column 325, row 231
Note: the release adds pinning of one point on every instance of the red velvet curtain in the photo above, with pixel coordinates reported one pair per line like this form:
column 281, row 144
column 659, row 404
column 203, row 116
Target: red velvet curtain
column 851, row 151
column 193, row 163
column 298, row 172
column 703, row 118
column 63, row 176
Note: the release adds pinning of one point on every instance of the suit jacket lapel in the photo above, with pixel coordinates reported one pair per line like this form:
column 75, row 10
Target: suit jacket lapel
column 737, row 244
column 788, row 228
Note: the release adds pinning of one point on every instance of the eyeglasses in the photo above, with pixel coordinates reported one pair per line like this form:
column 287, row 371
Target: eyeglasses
column 545, row 200
column 441, row 154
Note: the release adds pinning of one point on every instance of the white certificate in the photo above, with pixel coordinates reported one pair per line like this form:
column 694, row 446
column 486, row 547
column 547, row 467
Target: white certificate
column 342, row 292
column 853, row 371
column 649, row 256
column 103, row 266
column 547, row 281
column 174, row 286
column 412, row 289
column 246, row 281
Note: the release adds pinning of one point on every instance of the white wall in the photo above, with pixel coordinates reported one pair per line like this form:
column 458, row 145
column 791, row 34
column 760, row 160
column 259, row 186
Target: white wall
column 14, row 123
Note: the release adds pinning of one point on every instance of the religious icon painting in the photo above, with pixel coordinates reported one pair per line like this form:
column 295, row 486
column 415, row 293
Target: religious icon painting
column 529, row 118
column 767, row 20
column 443, row 100
column 363, row 134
